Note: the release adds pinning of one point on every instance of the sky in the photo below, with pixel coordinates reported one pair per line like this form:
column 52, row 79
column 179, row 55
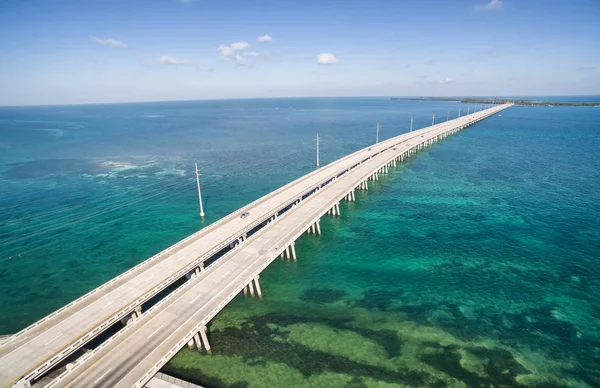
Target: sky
column 80, row 51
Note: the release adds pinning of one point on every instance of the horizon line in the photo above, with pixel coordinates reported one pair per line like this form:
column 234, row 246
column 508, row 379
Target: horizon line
column 293, row 97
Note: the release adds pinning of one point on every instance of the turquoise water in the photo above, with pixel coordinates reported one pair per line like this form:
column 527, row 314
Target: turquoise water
column 472, row 264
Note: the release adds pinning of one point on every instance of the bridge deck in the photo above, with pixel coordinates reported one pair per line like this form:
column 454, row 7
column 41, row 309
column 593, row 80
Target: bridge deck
column 131, row 357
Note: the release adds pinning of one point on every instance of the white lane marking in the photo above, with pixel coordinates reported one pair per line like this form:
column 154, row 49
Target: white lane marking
column 155, row 331
column 109, row 303
column 47, row 343
column 226, row 273
column 104, row 374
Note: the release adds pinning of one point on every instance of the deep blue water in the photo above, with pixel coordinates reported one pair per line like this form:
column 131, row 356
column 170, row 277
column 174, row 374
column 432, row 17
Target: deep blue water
column 475, row 262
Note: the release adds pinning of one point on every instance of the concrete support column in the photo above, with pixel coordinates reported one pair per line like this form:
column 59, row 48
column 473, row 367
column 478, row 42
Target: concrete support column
column 190, row 344
column 318, row 228
column 245, row 290
column 333, row 211
column 287, row 252
column 198, row 342
column 366, row 185
column 258, row 291
column 251, row 288
column 337, row 206
column 313, row 227
column 205, row 339
column 353, row 196
column 294, row 249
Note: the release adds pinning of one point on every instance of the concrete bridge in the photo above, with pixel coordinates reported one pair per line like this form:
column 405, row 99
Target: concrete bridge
column 220, row 261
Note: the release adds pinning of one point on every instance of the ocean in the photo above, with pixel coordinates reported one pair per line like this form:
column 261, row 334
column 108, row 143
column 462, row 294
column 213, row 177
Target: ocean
column 474, row 263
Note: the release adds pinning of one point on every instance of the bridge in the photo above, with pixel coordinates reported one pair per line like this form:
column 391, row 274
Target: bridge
column 219, row 262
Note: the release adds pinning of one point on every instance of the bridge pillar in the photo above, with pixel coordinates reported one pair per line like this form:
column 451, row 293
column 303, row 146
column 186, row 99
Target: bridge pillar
column 190, row 343
column 294, row 250
column 353, row 197
column 245, row 290
column 251, row 288
column 313, row 227
column 376, row 177
column 258, row 291
column 337, row 206
column 366, row 185
column 198, row 342
column 333, row 210
column 287, row 252
column 205, row 339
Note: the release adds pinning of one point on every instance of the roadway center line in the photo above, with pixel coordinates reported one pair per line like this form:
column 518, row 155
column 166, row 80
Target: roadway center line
column 104, row 374
column 225, row 274
column 47, row 343
column 109, row 303
column 155, row 331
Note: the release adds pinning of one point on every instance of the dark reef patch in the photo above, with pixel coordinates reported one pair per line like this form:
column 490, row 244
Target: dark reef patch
column 377, row 299
column 501, row 369
column 322, row 295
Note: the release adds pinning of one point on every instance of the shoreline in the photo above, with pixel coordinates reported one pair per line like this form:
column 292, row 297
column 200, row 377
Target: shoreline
column 499, row 101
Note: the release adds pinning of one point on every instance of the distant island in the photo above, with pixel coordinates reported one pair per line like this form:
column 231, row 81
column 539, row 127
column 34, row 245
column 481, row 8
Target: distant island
column 472, row 100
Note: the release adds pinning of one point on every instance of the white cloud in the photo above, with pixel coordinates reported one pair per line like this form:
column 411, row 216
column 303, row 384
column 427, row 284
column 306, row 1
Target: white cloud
column 239, row 46
column 109, row 42
column 251, row 54
column 166, row 60
column 493, row 5
column 446, row 80
column 327, row 59
column 228, row 53
column 264, row 38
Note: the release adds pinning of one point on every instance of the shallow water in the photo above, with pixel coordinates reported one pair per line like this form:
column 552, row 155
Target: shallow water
column 474, row 263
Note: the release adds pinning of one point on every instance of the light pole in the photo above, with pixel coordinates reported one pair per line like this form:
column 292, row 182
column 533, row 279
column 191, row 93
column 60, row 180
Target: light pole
column 199, row 192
